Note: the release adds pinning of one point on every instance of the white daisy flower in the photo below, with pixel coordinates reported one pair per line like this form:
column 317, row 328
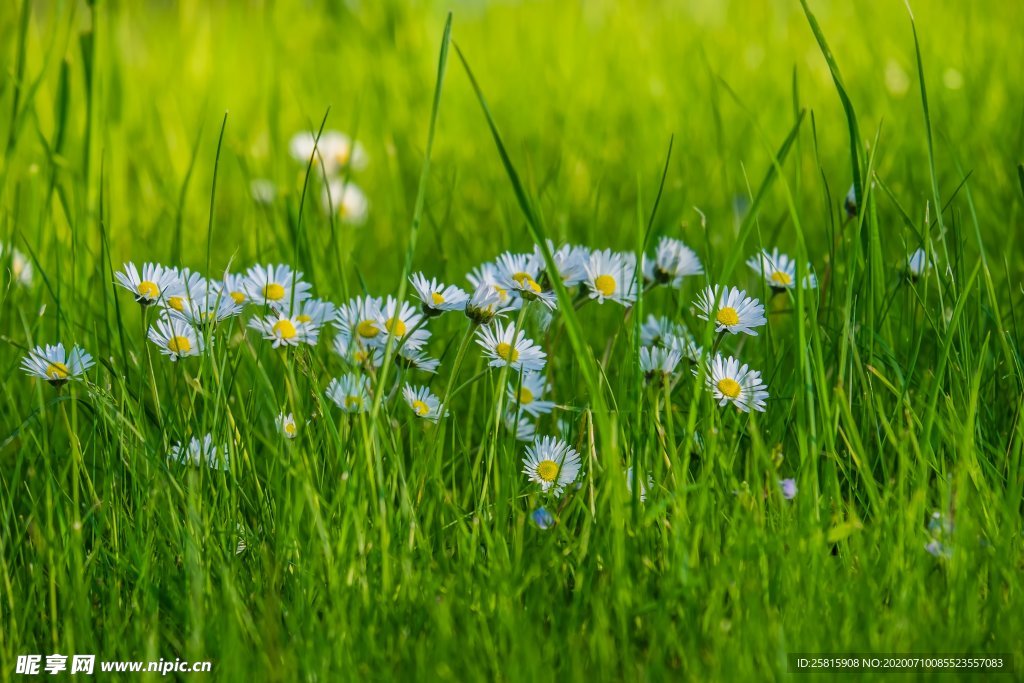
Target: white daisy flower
column 276, row 286
column 657, row 330
column 20, row 266
column 54, row 365
column 233, row 286
column 198, row 453
column 570, row 261
column 285, row 331
column 510, row 347
column 350, row 392
column 422, row 402
column 315, row 312
column 527, row 395
column 176, row 338
column 672, row 261
column 437, row 297
column 520, row 425
column 658, row 362
column 189, row 284
column 286, row 425
column 206, row 303
column 918, row 264
column 487, row 275
column 779, row 271
column 646, row 484
column 348, row 202
column 519, row 273
column 552, row 463
column 484, row 305
column 416, row 359
column 611, row 275
column 357, row 320
column 731, row 309
column 154, row 284
column 403, row 323
column 336, row 151
column 685, row 346
column 731, row 382
column 356, row 353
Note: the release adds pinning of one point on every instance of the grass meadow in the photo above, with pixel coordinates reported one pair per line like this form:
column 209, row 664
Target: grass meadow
column 872, row 503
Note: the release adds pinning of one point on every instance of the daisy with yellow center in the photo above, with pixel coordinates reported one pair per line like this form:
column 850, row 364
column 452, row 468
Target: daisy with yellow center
column 199, row 453
column 672, row 261
column 731, row 382
column 422, row 402
column 357, row 320
column 350, row 392
column 552, row 463
column 175, row 338
column 55, row 365
column 153, row 284
column 731, row 310
column 519, row 274
column 356, row 354
column 484, row 305
column 233, row 287
column 275, row 285
column 508, row 346
column 206, row 304
column 611, row 277
column 779, row 271
column 416, row 359
column 286, row 331
column 401, row 321
column 336, row 150
column 287, row 426
column 436, row 297
column 487, row 274
column 526, row 394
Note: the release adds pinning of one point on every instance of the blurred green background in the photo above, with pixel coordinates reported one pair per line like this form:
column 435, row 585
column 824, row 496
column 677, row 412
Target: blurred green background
column 587, row 95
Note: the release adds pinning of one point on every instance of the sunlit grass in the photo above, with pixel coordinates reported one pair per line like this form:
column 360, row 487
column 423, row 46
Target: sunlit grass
column 372, row 543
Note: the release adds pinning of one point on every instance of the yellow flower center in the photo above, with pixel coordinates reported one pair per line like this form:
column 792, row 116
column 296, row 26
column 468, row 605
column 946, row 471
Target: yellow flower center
column 781, row 279
column 605, row 284
column 303, row 318
column 525, row 396
column 727, row 316
column 148, row 290
column 289, row 428
column 367, row 329
column 284, row 329
column 527, row 282
column 361, row 356
column 273, row 292
column 420, row 408
column 238, row 297
column 342, row 156
column 547, row 470
column 502, row 293
column 57, row 371
column 179, row 345
column 437, row 299
column 507, row 353
column 353, row 401
column 395, row 326
column 729, row 387
column 177, row 303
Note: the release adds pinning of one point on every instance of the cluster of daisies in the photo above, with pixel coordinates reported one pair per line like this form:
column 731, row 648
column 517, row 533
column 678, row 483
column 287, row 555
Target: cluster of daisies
column 366, row 330
column 334, row 157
